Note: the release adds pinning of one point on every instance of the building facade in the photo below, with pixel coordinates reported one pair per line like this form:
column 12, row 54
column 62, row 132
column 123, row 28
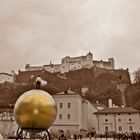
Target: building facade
column 5, row 77
column 118, row 120
column 74, row 63
column 75, row 114
column 7, row 127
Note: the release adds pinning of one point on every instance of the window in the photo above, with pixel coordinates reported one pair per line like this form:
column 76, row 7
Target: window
column 60, row 116
column 61, row 105
column 130, row 119
column 119, row 120
column 130, row 128
column 129, row 113
column 68, row 116
column 120, row 128
column 106, row 120
column 106, row 128
column 69, row 105
column 79, row 62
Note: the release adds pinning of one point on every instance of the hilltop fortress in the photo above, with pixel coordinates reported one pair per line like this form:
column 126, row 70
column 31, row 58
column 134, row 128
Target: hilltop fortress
column 74, row 63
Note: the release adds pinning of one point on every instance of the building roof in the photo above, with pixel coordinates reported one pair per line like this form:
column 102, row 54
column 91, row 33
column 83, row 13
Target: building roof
column 66, row 92
column 117, row 110
column 6, row 110
column 5, row 74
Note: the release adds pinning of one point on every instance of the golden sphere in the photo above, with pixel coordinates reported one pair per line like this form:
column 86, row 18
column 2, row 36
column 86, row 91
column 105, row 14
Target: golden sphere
column 35, row 109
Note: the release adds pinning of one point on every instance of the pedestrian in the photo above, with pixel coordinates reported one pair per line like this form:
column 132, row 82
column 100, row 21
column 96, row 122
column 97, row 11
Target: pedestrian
column 89, row 135
column 1, row 137
column 80, row 136
column 62, row 136
column 75, row 137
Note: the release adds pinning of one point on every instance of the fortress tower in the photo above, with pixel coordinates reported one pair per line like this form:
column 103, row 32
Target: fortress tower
column 74, row 63
column 89, row 60
column 112, row 63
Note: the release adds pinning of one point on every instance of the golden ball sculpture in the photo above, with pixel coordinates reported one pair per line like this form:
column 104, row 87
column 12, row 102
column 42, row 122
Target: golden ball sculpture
column 35, row 110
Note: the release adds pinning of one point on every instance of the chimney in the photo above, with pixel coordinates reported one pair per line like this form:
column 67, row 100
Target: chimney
column 110, row 103
column 65, row 92
column 97, row 102
column 84, row 90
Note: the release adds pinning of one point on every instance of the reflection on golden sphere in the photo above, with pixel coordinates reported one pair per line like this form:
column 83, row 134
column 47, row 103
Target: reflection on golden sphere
column 35, row 109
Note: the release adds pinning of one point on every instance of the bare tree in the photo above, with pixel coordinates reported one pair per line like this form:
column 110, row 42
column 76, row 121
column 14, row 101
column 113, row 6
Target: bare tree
column 137, row 75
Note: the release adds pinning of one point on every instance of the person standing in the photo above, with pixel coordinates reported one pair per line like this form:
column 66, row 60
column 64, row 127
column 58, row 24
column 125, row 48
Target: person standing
column 1, row 137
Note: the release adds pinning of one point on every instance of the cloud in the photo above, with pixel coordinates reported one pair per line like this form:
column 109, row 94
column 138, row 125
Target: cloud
column 37, row 32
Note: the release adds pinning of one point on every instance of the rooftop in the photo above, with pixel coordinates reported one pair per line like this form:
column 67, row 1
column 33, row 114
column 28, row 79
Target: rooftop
column 117, row 110
column 5, row 74
column 66, row 92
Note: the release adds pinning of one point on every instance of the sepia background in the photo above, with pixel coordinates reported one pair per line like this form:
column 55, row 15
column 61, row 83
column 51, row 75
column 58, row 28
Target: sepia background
column 81, row 52
column 37, row 32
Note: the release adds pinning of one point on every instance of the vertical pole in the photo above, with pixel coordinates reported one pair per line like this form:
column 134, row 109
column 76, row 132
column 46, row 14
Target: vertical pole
column 98, row 124
column 49, row 135
column 19, row 134
column 17, row 131
column 115, row 123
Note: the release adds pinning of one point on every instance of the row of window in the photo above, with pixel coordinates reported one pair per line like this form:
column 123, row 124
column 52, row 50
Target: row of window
column 119, row 120
column 73, row 63
column 61, row 105
column 120, row 128
column 61, row 116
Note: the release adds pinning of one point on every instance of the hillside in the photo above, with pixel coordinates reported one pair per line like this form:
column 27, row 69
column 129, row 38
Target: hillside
column 133, row 95
column 102, row 84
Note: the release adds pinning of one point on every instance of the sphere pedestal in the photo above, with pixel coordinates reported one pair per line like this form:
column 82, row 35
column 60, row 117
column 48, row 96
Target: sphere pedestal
column 20, row 131
column 35, row 111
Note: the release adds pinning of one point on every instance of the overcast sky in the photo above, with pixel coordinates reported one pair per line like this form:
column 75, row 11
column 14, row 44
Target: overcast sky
column 40, row 31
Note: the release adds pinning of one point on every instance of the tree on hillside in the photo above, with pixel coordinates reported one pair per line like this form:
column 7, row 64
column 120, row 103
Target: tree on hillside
column 133, row 96
column 137, row 75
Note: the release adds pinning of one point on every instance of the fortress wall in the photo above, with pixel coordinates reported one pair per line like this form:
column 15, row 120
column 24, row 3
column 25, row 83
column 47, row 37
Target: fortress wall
column 34, row 68
column 122, row 74
column 52, row 68
column 103, row 64
column 74, row 63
